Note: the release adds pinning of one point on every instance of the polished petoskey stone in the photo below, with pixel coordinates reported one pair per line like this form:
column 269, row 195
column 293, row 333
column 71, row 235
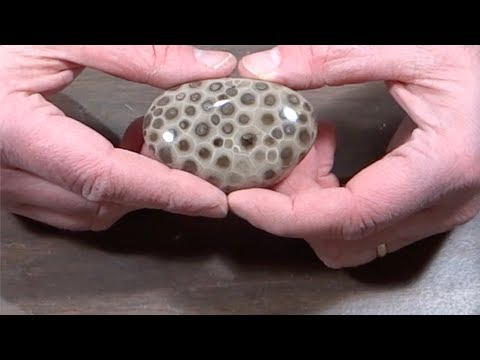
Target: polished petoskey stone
column 233, row 133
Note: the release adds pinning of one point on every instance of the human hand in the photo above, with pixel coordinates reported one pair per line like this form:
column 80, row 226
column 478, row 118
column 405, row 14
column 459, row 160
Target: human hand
column 427, row 183
column 62, row 173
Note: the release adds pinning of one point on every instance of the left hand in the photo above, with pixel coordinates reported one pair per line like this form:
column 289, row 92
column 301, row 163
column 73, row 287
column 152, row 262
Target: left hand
column 60, row 172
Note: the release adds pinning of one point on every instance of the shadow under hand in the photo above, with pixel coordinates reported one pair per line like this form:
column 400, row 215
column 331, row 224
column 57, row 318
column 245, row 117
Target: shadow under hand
column 401, row 266
column 169, row 237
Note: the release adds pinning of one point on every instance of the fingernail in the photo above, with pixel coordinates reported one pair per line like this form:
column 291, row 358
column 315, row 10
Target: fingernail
column 262, row 63
column 213, row 59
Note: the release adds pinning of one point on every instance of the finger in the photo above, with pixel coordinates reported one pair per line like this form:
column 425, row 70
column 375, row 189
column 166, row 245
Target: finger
column 312, row 66
column 454, row 210
column 32, row 69
column 315, row 169
column 79, row 159
column 265, row 209
column 354, row 253
column 159, row 65
column 300, row 215
column 30, row 196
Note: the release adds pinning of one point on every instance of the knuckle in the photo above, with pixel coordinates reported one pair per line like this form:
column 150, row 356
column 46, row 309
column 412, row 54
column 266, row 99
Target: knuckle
column 171, row 203
column 159, row 57
column 357, row 226
column 98, row 185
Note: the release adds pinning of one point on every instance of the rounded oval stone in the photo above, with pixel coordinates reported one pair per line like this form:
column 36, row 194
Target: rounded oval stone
column 224, row 148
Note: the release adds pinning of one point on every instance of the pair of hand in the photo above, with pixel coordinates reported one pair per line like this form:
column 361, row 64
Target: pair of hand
column 60, row 172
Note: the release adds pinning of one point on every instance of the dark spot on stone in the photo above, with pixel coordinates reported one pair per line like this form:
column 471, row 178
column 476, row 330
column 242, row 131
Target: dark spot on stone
column 215, row 119
column 303, row 119
column 151, row 148
column 228, row 143
column 227, row 109
column 269, row 174
column 147, row 120
column 272, row 155
column 218, row 142
column 307, row 106
column 158, row 112
column 286, row 155
column 231, row 91
column 202, row 129
column 195, row 84
column 180, row 96
column 215, row 86
column 247, row 99
column 195, row 97
column 248, row 140
column 207, row 106
column 183, row 145
column 163, row 101
column 293, row 99
column 304, row 136
column 171, row 113
column 270, row 100
column 204, row 153
column 190, row 110
column 267, row 119
column 184, row 124
column 243, row 119
column 261, row 86
column 157, row 123
column 153, row 136
column 289, row 129
column 223, row 162
column 227, row 128
column 277, row 133
column 222, row 97
column 190, row 166
column 269, row 141
column 165, row 154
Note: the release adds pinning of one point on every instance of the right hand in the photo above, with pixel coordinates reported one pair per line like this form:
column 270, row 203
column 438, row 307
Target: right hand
column 60, row 172
column 427, row 183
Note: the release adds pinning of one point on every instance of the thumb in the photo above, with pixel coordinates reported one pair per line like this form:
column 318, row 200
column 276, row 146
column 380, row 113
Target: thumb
column 159, row 65
column 313, row 66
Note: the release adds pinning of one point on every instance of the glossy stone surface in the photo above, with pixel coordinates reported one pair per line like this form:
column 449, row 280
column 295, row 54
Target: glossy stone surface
column 233, row 133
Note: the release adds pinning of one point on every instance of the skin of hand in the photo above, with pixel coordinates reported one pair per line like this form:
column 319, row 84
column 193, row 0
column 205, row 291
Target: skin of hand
column 427, row 183
column 60, row 172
